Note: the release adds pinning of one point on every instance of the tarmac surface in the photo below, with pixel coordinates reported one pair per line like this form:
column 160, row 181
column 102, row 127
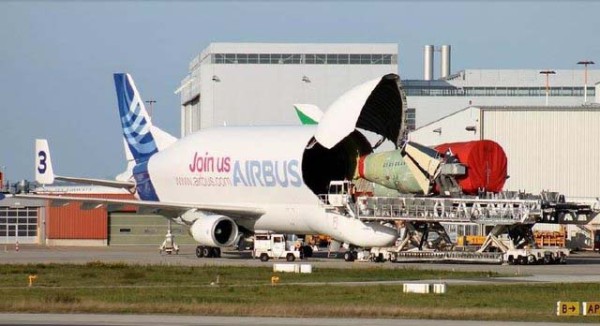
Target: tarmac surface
column 580, row 267
column 101, row 319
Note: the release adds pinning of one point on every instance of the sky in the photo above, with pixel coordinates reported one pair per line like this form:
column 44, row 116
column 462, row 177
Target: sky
column 57, row 58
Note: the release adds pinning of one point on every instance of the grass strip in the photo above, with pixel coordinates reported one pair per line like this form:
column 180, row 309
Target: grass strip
column 121, row 288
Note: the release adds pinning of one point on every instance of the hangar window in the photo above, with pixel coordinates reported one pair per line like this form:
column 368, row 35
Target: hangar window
column 343, row 59
column 125, row 230
column 230, row 58
column 264, row 58
column 287, row 58
column 276, row 58
column 218, row 58
column 297, row 58
column 242, row 58
column 320, row 58
column 365, row 59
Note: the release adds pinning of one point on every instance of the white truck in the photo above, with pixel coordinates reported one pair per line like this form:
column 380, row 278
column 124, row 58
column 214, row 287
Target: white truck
column 269, row 245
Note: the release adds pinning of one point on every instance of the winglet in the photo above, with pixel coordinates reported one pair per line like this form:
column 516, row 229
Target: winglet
column 44, row 173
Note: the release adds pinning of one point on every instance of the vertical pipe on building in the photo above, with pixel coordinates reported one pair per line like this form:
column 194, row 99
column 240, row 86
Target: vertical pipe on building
column 444, row 61
column 428, row 62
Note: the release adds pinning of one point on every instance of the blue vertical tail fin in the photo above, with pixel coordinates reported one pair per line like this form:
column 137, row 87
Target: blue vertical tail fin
column 135, row 121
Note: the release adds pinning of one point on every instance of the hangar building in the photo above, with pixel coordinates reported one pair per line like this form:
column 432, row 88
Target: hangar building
column 257, row 83
column 434, row 99
column 549, row 148
column 37, row 222
column 267, row 78
column 552, row 148
column 22, row 220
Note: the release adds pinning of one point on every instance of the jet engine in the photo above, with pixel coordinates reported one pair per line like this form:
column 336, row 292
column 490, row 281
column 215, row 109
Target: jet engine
column 214, row 230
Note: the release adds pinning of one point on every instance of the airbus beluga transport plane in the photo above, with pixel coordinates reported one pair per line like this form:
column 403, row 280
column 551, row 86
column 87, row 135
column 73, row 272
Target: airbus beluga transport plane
column 224, row 182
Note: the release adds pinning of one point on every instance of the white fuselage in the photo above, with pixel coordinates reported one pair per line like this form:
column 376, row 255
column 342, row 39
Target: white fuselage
column 255, row 167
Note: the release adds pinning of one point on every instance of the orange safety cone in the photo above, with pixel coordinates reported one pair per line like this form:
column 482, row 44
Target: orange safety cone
column 17, row 246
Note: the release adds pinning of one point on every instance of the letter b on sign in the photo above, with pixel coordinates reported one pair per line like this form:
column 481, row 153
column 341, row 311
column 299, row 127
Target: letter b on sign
column 564, row 308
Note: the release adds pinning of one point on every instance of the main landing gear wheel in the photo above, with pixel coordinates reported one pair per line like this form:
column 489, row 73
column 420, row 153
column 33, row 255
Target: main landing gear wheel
column 208, row 252
column 349, row 256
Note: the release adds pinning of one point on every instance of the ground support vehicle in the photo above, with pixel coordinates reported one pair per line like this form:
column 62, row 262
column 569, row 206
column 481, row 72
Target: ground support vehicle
column 169, row 246
column 268, row 246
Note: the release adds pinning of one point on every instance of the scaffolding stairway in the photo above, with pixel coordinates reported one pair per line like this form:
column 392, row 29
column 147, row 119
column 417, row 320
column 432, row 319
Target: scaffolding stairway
column 424, row 238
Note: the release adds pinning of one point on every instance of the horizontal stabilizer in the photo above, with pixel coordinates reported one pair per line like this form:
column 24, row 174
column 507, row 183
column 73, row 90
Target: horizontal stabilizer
column 129, row 185
column 44, row 172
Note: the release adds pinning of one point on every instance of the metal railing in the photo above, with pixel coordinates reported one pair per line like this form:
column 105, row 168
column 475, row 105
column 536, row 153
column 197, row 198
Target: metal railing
column 475, row 210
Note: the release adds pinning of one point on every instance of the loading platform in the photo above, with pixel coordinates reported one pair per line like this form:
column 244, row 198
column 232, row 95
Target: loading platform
column 422, row 236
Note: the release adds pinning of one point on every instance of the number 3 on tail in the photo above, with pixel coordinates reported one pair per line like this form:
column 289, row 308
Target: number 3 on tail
column 42, row 162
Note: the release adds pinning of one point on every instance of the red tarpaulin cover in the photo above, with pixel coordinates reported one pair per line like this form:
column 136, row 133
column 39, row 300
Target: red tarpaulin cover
column 485, row 161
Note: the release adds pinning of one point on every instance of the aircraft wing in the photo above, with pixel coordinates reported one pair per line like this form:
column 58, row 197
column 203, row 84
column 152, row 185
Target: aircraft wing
column 166, row 209
column 129, row 185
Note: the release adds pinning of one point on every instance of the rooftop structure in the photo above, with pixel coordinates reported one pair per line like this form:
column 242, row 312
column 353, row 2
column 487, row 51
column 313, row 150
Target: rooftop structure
column 434, row 99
